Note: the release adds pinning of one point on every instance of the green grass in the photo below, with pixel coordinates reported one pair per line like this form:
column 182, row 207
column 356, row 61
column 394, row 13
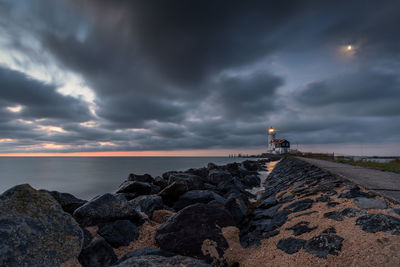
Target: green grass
column 393, row 165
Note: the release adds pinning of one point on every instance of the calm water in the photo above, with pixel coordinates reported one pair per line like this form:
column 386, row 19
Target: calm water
column 86, row 177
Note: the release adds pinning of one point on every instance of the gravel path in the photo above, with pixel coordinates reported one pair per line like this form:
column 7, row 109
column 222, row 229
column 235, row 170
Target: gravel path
column 383, row 183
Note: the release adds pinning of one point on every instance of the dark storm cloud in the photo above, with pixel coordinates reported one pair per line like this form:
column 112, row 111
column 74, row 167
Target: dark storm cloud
column 203, row 74
column 37, row 99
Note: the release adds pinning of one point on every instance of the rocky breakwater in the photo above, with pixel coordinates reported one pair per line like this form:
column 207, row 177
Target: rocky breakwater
column 205, row 217
column 176, row 219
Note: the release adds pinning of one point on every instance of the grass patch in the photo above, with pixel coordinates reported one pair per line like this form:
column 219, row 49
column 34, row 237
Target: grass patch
column 393, row 165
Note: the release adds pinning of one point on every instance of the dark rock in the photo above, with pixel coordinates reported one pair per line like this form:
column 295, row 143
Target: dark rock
column 354, row 192
column 330, row 230
column 378, row 222
column 324, row 244
column 267, row 203
column 339, row 215
column 145, row 252
column 34, row 229
column 147, row 204
column 197, row 196
column 250, row 165
column 136, row 187
column 217, row 176
column 254, row 238
column 119, row 233
column 290, row 245
column 160, row 261
column 251, row 181
column 267, row 225
column 155, row 189
column 324, row 198
column 211, row 187
column 171, row 193
column 397, row 211
column 267, row 213
column 87, row 237
column 185, row 232
column 97, row 254
column 192, row 181
column 107, row 208
column 332, row 204
column 300, row 205
column 286, row 199
column 237, row 208
column 370, row 203
column 146, row 178
column 301, row 228
column 68, row 202
column 159, row 181
column 201, row 172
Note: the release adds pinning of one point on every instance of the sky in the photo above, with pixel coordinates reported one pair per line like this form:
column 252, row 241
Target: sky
column 148, row 77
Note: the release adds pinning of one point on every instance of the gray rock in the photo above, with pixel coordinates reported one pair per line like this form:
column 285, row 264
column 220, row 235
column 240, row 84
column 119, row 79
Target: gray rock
column 141, row 178
column 145, row 252
column 324, row 244
column 197, row 196
column 267, row 203
column 135, row 187
column 185, row 232
column 119, row 233
column 300, row 205
column 370, row 203
column 98, row 254
column 217, row 176
column 147, row 204
column 172, row 192
column 290, row 245
column 237, row 208
column 160, row 261
column 267, row 213
column 301, row 228
column 107, row 208
column 378, row 222
column 68, row 202
column 34, row 230
column 348, row 212
column 87, row 238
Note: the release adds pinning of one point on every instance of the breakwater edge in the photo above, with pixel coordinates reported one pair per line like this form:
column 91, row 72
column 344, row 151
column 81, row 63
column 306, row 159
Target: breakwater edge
column 210, row 216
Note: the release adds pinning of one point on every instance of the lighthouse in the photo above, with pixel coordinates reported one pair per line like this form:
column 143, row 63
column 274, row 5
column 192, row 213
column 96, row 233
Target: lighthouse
column 277, row 146
column 271, row 138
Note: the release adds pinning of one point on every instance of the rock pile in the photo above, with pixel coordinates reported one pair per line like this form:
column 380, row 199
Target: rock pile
column 184, row 219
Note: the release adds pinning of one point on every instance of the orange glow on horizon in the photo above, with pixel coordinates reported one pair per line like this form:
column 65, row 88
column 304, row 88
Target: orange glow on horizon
column 152, row 153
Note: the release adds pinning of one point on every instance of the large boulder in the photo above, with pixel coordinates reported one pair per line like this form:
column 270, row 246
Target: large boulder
column 141, row 178
column 107, row 208
column 197, row 196
column 135, row 187
column 119, row 233
column 35, row 231
column 160, row 261
column 370, row 203
column 193, row 182
column 68, row 202
column 237, row 208
column 194, row 227
column 251, row 181
column 98, row 254
column 172, row 192
column 147, row 204
column 216, row 176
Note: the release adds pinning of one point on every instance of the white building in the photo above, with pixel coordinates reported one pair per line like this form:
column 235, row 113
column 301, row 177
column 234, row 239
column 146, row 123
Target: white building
column 277, row 146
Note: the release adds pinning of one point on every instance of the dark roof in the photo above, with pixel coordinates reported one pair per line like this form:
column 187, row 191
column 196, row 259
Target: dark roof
column 280, row 140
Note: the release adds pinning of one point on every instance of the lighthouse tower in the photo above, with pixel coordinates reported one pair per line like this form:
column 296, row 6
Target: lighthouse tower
column 271, row 138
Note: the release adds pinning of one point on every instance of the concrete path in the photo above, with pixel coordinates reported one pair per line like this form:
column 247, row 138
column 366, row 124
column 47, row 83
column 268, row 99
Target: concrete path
column 383, row 183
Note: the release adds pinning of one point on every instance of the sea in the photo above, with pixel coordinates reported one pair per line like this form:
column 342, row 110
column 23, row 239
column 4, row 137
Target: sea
column 87, row 177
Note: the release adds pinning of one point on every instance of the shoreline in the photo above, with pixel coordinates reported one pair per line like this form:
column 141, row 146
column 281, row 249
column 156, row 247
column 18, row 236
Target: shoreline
column 205, row 217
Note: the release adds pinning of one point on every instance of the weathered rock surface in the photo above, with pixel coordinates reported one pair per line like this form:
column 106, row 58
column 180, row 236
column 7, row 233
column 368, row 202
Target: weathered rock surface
column 147, row 178
column 197, row 196
column 348, row 212
column 237, row 208
column 68, row 202
column 378, row 222
column 291, row 245
column 135, row 187
column 301, row 228
column 34, row 230
column 145, row 252
column 98, row 254
column 119, row 233
column 160, row 261
column 185, row 232
column 107, row 208
column 172, row 192
column 147, row 204
column 300, row 205
column 370, row 203
column 324, row 244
